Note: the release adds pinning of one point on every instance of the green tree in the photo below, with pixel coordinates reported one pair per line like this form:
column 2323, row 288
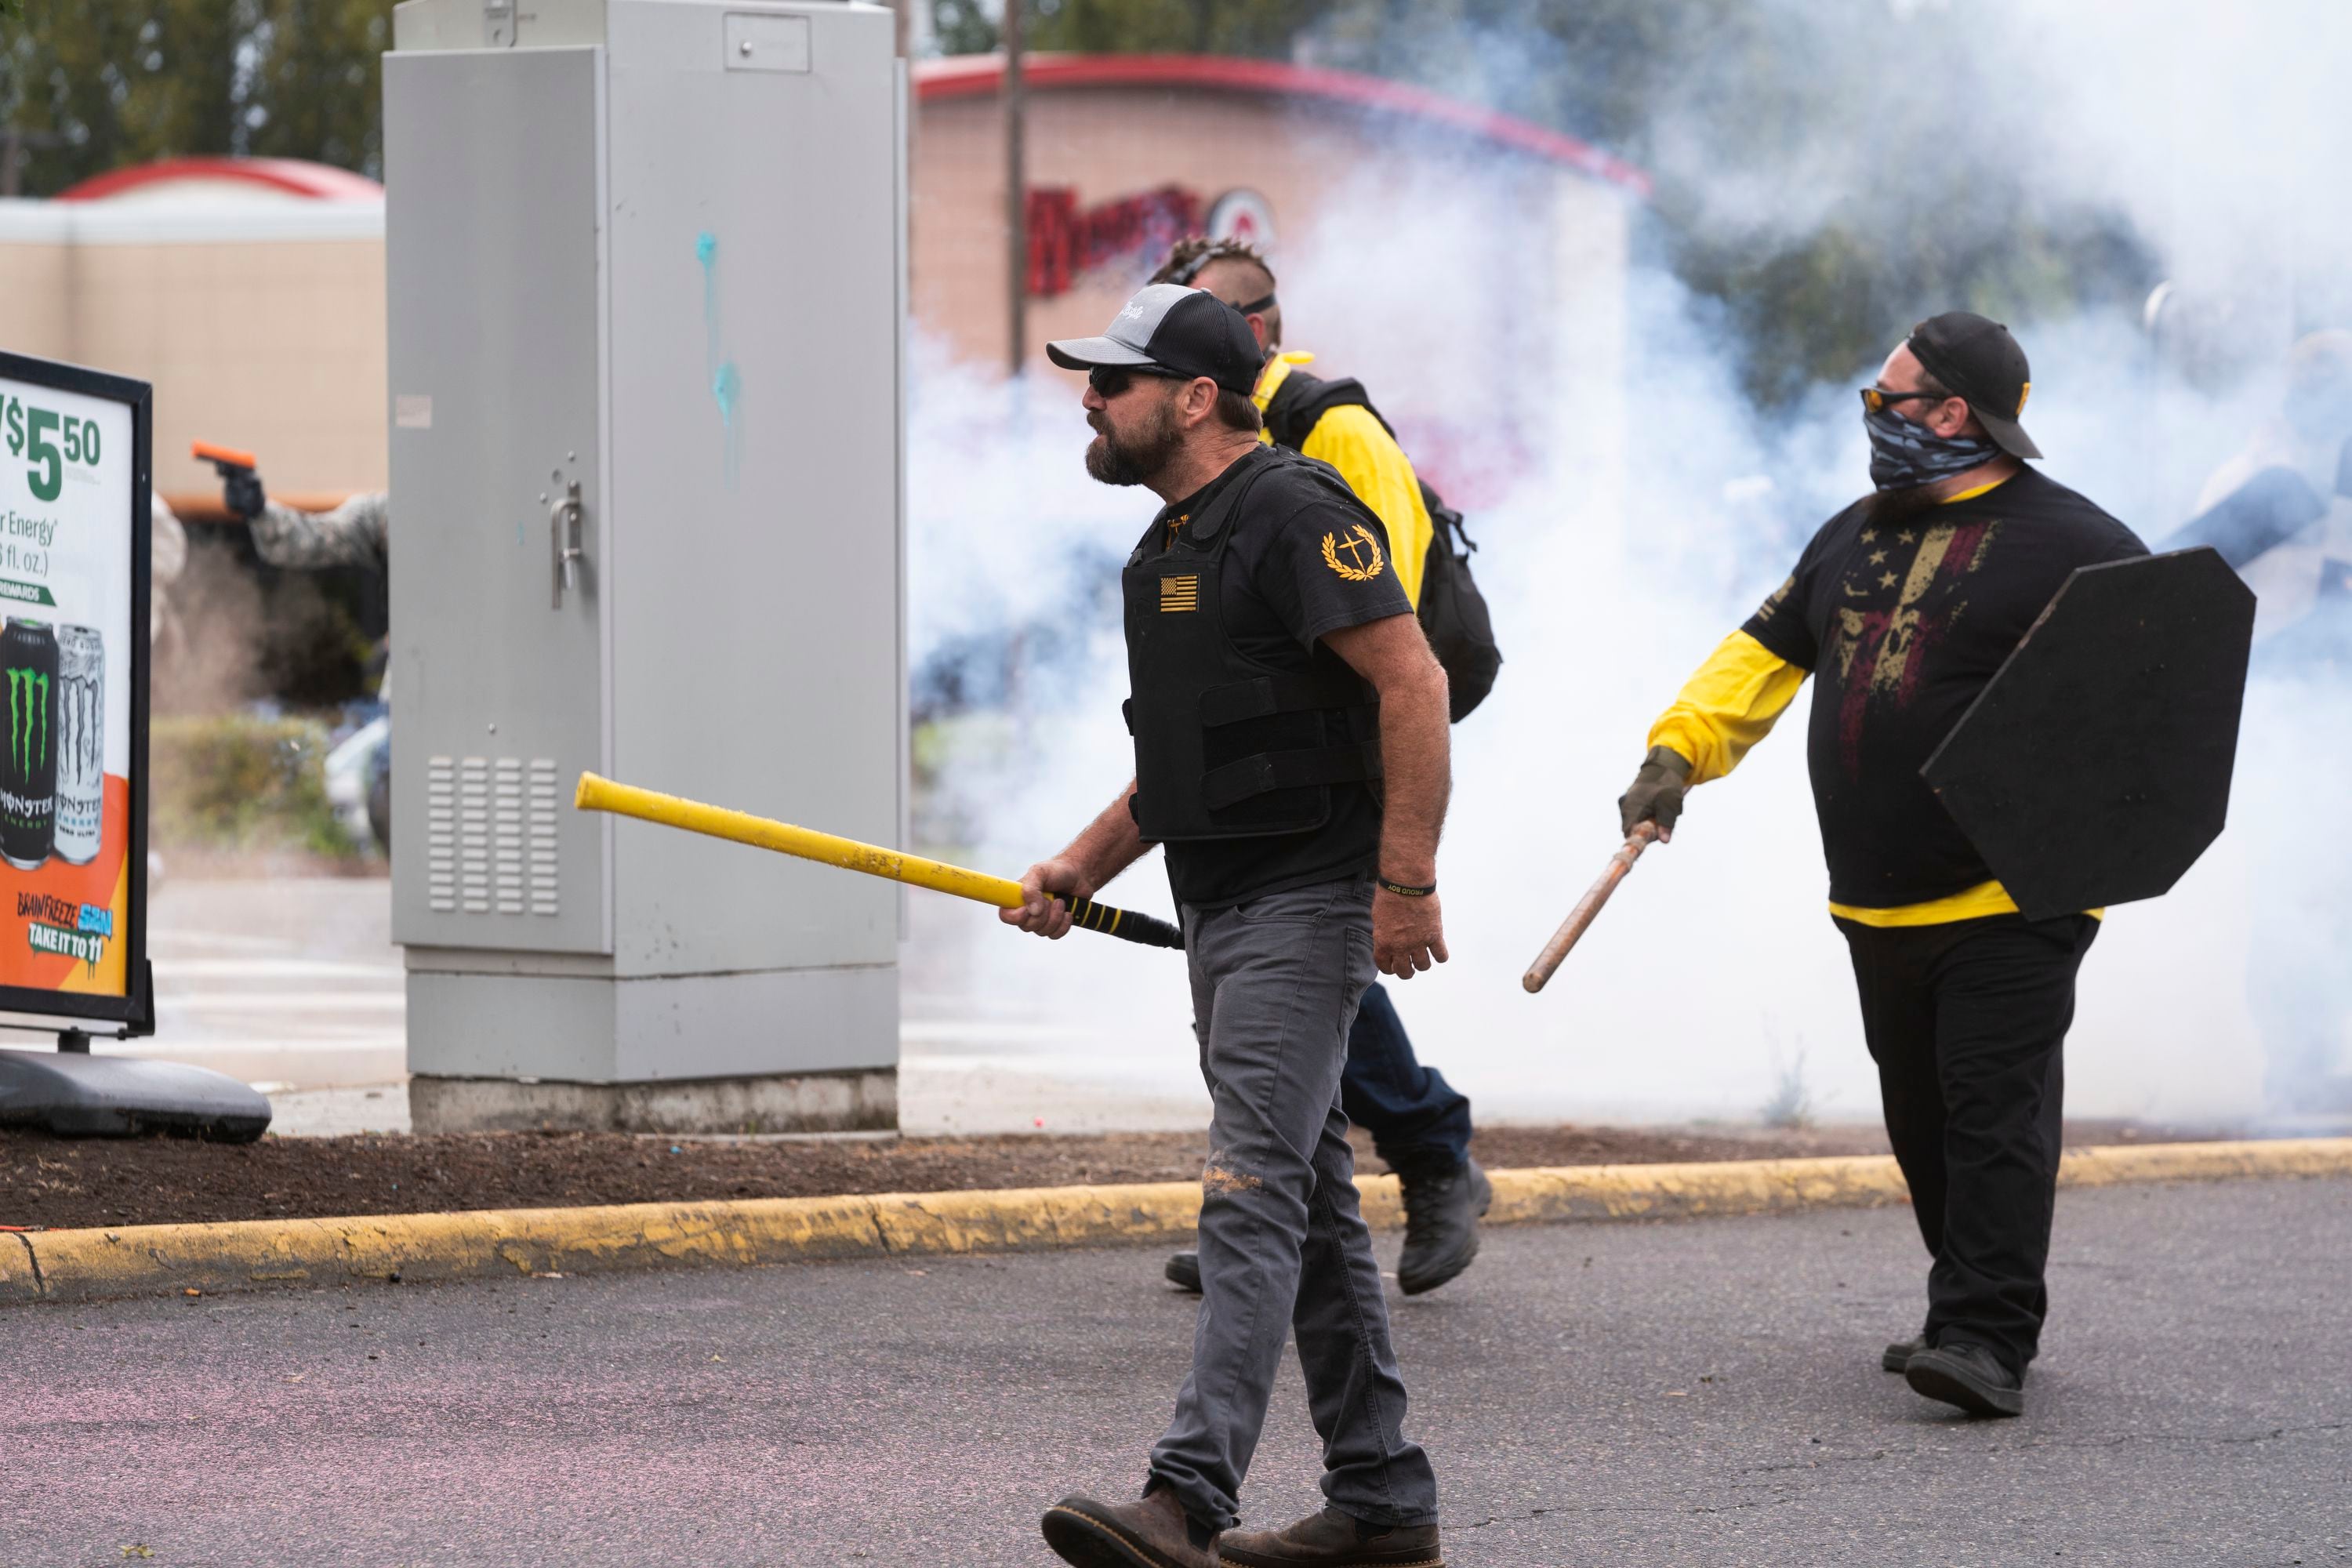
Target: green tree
column 318, row 82
column 92, row 87
column 962, row 27
column 1261, row 28
column 105, row 84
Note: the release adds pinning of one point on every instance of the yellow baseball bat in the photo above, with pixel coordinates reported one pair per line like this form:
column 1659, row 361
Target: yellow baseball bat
column 599, row 793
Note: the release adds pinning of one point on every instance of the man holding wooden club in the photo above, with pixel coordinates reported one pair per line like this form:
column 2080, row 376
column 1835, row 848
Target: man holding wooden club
column 1291, row 756
column 1904, row 605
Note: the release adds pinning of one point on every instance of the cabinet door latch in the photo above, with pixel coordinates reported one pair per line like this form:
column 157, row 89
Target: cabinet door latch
column 564, row 520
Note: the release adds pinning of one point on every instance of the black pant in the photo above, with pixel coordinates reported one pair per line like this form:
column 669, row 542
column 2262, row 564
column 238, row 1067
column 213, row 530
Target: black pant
column 1967, row 1023
column 1414, row 1116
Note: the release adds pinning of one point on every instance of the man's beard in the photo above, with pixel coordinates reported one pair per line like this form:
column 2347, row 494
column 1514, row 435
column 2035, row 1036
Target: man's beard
column 1137, row 457
column 1885, row 509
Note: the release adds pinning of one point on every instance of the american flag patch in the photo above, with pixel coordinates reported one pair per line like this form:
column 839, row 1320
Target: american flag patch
column 1179, row 594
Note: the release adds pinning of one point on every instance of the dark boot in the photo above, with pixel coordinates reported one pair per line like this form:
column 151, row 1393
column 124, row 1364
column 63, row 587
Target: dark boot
column 1154, row 1533
column 1334, row 1540
column 1441, row 1206
column 1897, row 1356
column 1436, row 1250
column 1968, row 1375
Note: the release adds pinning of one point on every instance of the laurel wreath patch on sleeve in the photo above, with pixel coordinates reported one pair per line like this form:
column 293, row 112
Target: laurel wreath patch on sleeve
column 1364, row 560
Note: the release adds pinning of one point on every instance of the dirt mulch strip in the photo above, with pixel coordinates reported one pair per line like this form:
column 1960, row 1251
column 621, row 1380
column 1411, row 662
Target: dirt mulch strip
column 71, row 1183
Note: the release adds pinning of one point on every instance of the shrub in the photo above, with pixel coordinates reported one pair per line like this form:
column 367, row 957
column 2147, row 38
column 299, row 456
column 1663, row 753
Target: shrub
column 239, row 782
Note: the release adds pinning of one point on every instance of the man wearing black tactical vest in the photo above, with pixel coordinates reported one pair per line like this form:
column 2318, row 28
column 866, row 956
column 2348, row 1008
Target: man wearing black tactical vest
column 1420, row 1123
column 1291, row 757
column 1904, row 605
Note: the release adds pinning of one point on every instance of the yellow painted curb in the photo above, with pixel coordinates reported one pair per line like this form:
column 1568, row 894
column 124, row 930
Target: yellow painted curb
column 135, row 1260
column 2111, row 1163
column 1686, row 1190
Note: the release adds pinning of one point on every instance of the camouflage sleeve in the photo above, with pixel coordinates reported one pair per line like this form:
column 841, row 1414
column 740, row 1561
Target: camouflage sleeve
column 354, row 535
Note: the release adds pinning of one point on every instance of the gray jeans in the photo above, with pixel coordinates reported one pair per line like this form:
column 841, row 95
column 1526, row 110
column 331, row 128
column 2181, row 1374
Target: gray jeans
column 1283, row 1244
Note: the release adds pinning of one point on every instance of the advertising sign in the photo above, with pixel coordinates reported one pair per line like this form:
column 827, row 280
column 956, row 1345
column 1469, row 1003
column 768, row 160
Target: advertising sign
column 74, row 530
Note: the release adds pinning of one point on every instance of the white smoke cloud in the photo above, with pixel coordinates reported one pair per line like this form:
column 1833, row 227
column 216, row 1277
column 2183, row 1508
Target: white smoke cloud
column 2219, row 133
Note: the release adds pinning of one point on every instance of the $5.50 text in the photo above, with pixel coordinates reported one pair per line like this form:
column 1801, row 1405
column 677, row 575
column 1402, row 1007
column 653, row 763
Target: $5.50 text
column 35, row 427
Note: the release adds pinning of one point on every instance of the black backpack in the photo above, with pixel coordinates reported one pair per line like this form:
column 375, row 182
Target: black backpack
column 1453, row 612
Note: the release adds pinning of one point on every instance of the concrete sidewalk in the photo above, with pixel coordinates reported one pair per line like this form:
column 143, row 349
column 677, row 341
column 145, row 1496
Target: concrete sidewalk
column 1702, row 1391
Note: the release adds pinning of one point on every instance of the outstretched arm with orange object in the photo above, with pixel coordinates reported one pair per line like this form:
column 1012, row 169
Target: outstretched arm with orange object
column 356, row 533
column 240, row 473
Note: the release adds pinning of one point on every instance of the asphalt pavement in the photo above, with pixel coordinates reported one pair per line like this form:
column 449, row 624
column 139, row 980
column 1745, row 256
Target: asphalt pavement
column 1697, row 1392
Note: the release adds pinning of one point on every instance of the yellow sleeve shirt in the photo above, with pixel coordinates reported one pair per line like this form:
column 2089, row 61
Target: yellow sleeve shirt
column 1732, row 702
column 1353, row 440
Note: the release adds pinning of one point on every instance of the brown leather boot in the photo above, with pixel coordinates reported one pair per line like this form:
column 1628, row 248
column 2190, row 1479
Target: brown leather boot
column 1154, row 1533
column 1334, row 1540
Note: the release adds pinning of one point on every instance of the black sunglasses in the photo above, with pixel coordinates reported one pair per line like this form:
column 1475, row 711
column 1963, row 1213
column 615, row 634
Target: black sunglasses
column 1874, row 398
column 1110, row 380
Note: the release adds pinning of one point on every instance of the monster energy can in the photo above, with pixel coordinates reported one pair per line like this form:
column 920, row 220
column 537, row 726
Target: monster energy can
column 81, row 742
column 28, row 772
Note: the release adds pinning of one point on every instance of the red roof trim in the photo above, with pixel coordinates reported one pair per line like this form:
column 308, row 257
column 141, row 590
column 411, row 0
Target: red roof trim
column 294, row 176
column 968, row 76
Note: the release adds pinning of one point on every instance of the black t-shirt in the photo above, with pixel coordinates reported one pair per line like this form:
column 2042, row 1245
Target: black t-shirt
column 1283, row 590
column 1901, row 623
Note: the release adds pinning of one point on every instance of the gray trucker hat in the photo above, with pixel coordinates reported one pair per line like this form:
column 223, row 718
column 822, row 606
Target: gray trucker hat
column 1175, row 330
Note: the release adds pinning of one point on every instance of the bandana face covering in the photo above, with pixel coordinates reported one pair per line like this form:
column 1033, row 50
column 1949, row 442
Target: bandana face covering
column 1902, row 454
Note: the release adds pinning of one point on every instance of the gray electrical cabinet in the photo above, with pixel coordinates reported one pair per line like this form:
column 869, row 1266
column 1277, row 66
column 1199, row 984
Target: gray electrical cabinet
column 645, row 267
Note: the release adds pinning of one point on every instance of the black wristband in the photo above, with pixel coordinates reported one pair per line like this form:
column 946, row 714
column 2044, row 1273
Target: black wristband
column 1405, row 890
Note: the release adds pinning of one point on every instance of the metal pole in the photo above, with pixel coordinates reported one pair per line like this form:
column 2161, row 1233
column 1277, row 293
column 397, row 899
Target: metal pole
column 1016, row 194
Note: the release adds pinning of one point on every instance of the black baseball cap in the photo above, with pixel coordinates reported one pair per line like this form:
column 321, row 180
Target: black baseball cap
column 1977, row 360
column 1175, row 330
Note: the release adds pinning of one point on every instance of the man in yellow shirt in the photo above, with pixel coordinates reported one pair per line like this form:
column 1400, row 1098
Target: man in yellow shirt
column 1420, row 1124
column 1905, row 604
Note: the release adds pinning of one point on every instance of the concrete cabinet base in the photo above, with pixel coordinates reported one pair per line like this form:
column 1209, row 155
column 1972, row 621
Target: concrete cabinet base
column 767, row 1051
column 852, row 1101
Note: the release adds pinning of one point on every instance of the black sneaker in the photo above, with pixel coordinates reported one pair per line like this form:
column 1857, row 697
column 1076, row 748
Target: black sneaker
column 1897, row 1356
column 1184, row 1271
column 1968, row 1375
column 1442, row 1206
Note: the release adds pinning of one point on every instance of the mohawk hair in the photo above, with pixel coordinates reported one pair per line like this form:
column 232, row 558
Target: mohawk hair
column 1193, row 253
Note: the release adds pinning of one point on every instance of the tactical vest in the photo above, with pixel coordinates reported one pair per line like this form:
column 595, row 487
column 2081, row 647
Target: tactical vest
column 1227, row 746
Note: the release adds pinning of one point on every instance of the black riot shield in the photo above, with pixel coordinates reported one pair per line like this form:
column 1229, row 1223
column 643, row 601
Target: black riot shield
column 2095, row 767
